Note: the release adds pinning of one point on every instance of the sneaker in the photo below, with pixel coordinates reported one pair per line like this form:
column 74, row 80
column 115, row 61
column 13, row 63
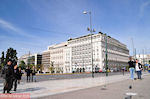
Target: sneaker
column 135, row 78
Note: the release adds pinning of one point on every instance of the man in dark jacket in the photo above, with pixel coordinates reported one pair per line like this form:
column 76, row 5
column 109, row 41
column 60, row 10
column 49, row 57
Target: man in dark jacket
column 16, row 76
column 7, row 74
column 28, row 72
column 131, row 67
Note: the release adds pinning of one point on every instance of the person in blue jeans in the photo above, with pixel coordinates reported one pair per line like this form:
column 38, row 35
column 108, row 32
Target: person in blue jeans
column 138, row 68
column 131, row 67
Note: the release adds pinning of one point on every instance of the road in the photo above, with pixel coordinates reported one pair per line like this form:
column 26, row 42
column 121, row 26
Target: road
column 67, row 76
column 115, row 90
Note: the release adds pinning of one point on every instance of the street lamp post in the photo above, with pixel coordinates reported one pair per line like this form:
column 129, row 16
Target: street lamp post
column 106, row 60
column 91, row 31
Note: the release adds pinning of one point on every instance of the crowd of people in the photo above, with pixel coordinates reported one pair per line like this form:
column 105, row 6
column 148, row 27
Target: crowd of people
column 12, row 75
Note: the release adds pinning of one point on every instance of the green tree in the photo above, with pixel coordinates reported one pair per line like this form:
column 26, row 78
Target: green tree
column 51, row 69
column 22, row 65
column 40, row 67
column 2, row 60
column 30, row 66
column 11, row 54
column 37, row 67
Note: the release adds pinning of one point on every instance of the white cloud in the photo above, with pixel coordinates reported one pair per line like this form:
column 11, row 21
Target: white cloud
column 35, row 44
column 8, row 26
column 142, row 8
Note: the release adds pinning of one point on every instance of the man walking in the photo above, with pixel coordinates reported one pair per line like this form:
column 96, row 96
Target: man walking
column 16, row 76
column 33, row 74
column 131, row 68
column 7, row 74
column 28, row 72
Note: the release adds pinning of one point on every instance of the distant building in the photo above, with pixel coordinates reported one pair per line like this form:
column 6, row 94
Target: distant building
column 46, row 60
column 24, row 58
column 34, row 59
column 74, row 55
column 143, row 58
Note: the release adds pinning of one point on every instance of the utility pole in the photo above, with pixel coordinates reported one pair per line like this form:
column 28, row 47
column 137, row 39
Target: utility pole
column 106, row 60
column 146, row 56
column 91, row 31
column 143, row 57
column 135, row 53
column 133, row 46
column 83, row 63
column 29, row 59
column 91, row 42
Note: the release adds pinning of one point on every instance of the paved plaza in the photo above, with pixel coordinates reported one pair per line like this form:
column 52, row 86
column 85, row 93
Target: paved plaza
column 64, row 89
column 116, row 90
column 47, row 77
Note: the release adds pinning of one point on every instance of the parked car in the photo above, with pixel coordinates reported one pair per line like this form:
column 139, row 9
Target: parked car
column 100, row 70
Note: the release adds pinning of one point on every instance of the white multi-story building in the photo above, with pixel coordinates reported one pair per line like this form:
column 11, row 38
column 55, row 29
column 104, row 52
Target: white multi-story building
column 34, row 59
column 81, row 52
column 58, row 57
column 46, row 60
column 24, row 58
column 143, row 58
column 75, row 54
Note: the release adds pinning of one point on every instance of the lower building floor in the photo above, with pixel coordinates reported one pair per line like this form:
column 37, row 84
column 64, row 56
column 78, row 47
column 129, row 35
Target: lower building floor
column 112, row 65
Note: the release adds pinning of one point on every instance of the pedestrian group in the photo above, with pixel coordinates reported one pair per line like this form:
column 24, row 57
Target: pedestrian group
column 135, row 66
column 12, row 75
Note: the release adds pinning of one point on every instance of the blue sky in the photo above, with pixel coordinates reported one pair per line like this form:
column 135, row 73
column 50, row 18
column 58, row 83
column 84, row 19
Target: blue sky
column 32, row 25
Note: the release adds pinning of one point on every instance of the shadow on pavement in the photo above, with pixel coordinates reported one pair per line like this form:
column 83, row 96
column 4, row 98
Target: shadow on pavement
column 27, row 89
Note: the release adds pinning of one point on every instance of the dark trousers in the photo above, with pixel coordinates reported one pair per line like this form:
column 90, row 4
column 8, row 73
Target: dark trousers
column 7, row 85
column 28, row 78
column 33, row 78
column 15, row 84
column 139, row 74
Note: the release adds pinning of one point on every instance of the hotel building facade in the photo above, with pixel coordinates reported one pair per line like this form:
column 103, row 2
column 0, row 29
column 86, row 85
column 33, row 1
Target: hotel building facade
column 74, row 55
